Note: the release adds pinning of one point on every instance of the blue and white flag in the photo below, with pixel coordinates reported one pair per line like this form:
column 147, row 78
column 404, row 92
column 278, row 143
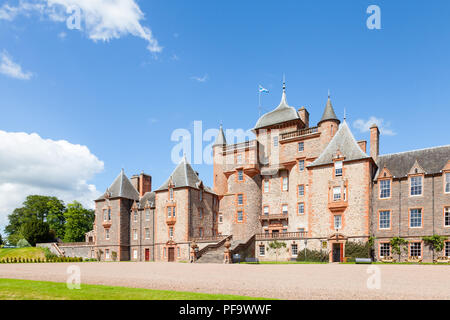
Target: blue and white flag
column 263, row 90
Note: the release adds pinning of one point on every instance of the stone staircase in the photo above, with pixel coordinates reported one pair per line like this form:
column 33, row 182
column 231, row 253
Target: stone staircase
column 215, row 256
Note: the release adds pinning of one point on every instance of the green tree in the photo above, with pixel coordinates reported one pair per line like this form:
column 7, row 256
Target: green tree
column 35, row 207
column 79, row 220
column 36, row 231
column 1, row 240
column 276, row 245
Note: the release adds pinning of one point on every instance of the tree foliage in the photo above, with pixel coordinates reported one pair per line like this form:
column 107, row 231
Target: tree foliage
column 36, row 231
column 436, row 242
column 45, row 209
column 78, row 221
column 277, row 245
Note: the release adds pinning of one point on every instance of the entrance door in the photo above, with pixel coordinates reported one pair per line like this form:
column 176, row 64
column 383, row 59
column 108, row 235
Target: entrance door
column 147, row 254
column 337, row 250
column 171, row 254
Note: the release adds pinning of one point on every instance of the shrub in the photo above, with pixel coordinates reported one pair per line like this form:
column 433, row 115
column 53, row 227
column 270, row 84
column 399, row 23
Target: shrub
column 22, row 243
column 313, row 256
column 357, row 249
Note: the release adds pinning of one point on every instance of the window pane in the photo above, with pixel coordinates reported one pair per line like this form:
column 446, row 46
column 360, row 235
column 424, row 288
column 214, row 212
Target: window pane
column 447, row 217
column 336, row 193
column 337, row 222
column 301, row 208
column 266, row 186
column 301, row 190
column 285, row 183
column 285, row 209
column 416, row 249
column 415, row 218
column 416, row 186
column 385, row 189
column 338, row 168
column 385, row 250
column 301, row 165
column 275, row 141
column 301, row 146
column 447, row 182
column 447, row 249
column 385, row 219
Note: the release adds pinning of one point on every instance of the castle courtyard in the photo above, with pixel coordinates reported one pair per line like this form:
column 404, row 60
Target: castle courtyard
column 288, row 281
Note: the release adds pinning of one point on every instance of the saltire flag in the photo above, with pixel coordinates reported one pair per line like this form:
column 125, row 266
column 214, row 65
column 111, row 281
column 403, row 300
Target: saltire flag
column 263, row 90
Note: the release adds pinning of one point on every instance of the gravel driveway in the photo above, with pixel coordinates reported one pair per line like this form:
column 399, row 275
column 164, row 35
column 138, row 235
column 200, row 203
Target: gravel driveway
column 301, row 281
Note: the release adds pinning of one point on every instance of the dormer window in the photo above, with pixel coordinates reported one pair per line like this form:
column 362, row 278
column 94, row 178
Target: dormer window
column 385, row 189
column 416, row 186
column 338, row 168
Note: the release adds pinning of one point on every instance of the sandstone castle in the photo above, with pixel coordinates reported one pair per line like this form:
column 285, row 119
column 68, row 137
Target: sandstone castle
column 307, row 186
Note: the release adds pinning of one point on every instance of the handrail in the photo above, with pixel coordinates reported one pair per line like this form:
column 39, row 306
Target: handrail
column 244, row 245
column 212, row 246
column 299, row 133
column 282, row 235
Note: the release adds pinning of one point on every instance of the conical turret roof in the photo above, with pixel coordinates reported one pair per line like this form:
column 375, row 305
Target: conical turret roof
column 329, row 113
column 220, row 139
column 121, row 188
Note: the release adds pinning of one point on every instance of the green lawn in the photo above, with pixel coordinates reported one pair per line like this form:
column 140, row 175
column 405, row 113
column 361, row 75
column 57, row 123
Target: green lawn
column 12, row 289
column 284, row 262
column 29, row 252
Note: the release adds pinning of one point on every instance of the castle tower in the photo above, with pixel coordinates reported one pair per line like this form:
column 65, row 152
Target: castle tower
column 220, row 184
column 329, row 124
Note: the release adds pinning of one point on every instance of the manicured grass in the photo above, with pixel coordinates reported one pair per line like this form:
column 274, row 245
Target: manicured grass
column 12, row 289
column 29, row 252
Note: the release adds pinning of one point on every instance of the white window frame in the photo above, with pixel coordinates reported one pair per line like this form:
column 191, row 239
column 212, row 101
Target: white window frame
column 447, row 217
column 301, row 206
column 418, row 212
column 294, row 252
column 337, row 193
column 338, row 165
column 413, row 189
column 135, row 254
column 240, row 215
column 106, row 253
column 135, row 234
column 285, row 206
column 302, row 188
column 266, row 212
column 447, row 182
column 275, row 141
column 411, row 249
column 301, row 165
column 266, row 186
column 262, row 250
column 385, row 191
column 147, row 214
column 107, row 235
column 381, row 227
column 147, row 233
column 285, row 183
column 301, row 146
column 383, row 249
column 337, row 219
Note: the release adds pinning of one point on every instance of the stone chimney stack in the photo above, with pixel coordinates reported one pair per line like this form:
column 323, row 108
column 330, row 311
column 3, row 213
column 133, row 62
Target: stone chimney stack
column 374, row 142
column 304, row 115
column 142, row 183
column 145, row 184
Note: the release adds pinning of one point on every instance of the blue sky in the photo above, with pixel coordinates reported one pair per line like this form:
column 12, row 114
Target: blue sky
column 123, row 101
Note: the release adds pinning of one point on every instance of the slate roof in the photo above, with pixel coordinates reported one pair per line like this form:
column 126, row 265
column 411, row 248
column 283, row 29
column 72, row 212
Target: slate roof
column 121, row 188
column 281, row 114
column 432, row 160
column 329, row 113
column 343, row 141
column 149, row 198
column 220, row 139
column 184, row 176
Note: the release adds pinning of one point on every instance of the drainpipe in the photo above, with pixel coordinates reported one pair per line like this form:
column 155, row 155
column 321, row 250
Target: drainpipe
column 153, row 240
column 432, row 195
column 400, row 214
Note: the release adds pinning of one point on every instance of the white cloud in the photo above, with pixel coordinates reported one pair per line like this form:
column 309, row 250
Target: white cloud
column 10, row 68
column 30, row 164
column 101, row 19
column 200, row 79
column 364, row 126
